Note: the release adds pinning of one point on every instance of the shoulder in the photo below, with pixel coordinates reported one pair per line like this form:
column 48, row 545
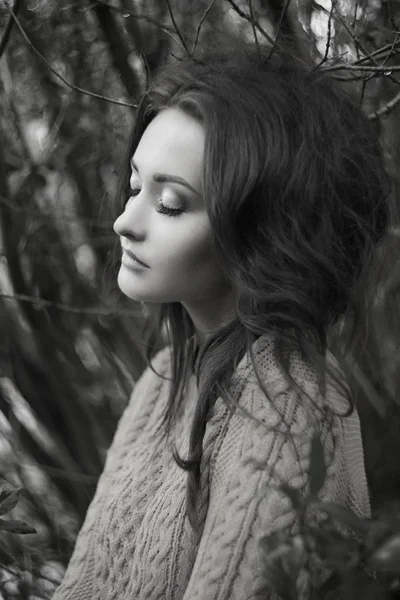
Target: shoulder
column 148, row 386
column 272, row 420
column 261, row 385
column 155, row 372
column 143, row 400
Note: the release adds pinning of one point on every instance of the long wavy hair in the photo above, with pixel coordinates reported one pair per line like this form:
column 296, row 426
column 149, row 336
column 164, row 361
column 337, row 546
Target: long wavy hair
column 296, row 193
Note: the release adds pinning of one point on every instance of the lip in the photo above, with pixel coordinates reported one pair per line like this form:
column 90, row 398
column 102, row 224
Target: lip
column 130, row 253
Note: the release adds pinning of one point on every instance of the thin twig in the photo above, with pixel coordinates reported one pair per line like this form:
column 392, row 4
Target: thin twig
column 371, row 68
column 171, row 14
column 71, row 309
column 58, row 121
column 62, row 473
column 351, row 33
column 283, row 13
column 8, row 102
column 144, row 18
column 248, row 18
column 328, row 41
column 355, row 15
column 359, row 46
column 146, row 70
column 199, row 26
column 355, row 78
column 254, row 28
column 8, row 28
column 374, row 54
column 391, row 47
column 357, row 41
column 363, row 90
column 70, row 85
column 94, row 242
column 66, row 218
column 385, row 109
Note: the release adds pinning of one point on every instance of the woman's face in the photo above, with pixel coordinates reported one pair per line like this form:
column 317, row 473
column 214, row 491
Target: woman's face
column 165, row 223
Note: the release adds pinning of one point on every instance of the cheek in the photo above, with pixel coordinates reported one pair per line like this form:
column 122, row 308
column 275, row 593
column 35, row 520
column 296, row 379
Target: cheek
column 187, row 260
column 188, row 249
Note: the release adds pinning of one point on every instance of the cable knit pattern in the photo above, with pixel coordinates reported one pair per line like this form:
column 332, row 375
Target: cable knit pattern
column 136, row 542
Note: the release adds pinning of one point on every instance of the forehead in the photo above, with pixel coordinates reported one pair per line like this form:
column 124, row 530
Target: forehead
column 173, row 143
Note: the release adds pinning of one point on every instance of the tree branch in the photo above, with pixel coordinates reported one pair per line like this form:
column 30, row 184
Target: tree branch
column 356, row 40
column 380, row 69
column 248, row 18
column 203, row 18
column 391, row 47
column 171, row 14
column 282, row 19
column 117, row 50
column 71, row 309
column 70, row 85
column 8, row 28
column 254, row 28
column 66, row 218
column 386, row 108
column 328, row 41
column 149, row 20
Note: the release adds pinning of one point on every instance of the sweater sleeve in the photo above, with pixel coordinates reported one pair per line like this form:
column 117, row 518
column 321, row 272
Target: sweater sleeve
column 83, row 578
column 245, row 504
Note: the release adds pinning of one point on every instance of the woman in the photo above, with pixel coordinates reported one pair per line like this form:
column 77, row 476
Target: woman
column 256, row 194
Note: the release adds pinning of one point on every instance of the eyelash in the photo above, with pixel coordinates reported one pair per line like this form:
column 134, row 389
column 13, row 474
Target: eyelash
column 163, row 210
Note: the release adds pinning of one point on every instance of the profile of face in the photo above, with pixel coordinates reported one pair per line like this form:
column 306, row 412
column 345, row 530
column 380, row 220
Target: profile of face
column 165, row 223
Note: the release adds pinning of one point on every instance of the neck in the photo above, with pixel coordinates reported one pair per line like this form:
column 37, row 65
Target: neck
column 209, row 317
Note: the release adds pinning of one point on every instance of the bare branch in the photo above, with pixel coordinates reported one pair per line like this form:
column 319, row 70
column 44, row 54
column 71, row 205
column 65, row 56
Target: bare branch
column 8, row 102
column 356, row 39
column 248, row 18
column 391, row 47
column 328, row 41
column 391, row 52
column 384, row 110
column 380, row 69
column 70, row 85
column 117, row 49
column 8, row 28
column 62, row 473
column 254, row 28
column 171, row 14
column 351, row 33
column 281, row 19
column 355, row 77
column 71, row 309
column 66, row 218
column 58, row 121
column 353, row 23
column 203, row 18
column 149, row 20
column 146, row 70
column 388, row 47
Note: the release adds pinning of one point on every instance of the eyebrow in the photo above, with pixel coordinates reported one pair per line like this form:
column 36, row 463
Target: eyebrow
column 164, row 178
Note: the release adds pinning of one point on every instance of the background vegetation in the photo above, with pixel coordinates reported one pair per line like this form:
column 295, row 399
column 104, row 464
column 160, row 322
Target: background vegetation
column 71, row 72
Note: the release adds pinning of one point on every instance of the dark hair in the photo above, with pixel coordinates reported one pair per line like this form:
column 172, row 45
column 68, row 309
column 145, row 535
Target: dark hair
column 296, row 192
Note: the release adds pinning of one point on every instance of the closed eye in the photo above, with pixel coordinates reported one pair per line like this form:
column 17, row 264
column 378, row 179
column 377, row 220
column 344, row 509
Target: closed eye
column 161, row 208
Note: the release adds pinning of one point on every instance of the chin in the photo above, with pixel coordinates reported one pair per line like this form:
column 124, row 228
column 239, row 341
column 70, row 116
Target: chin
column 130, row 288
column 134, row 292
column 136, row 288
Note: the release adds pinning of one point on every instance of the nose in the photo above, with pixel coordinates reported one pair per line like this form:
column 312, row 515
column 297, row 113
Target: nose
column 132, row 221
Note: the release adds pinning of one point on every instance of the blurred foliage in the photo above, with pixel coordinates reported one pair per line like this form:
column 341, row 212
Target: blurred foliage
column 331, row 552
column 8, row 501
column 71, row 73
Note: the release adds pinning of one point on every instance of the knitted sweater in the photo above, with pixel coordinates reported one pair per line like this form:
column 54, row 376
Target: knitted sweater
column 136, row 542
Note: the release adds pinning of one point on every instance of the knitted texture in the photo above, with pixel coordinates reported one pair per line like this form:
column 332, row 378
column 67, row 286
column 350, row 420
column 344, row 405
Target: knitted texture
column 136, row 542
